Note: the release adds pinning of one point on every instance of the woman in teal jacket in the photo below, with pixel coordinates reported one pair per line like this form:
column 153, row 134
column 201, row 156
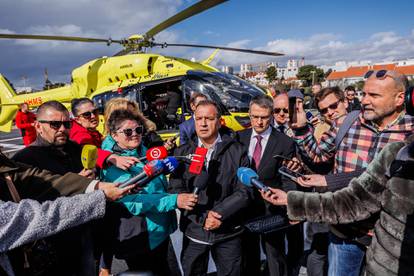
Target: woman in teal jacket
column 152, row 203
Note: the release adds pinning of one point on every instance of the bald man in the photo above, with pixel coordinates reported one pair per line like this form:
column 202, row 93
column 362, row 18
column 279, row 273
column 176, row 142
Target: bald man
column 281, row 113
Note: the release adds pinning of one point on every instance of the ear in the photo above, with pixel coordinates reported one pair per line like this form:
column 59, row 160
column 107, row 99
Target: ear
column 37, row 126
column 400, row 98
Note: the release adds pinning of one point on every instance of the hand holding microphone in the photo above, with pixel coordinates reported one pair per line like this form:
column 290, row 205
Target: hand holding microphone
column 249, row 178
column 89, row 156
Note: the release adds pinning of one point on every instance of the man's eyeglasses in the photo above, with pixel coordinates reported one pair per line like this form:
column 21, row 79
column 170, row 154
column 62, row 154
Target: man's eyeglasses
column 277, row 110
column 331, row 106
column 57, row 124
column 381, row 74
column 130, row 131
column 88, row 114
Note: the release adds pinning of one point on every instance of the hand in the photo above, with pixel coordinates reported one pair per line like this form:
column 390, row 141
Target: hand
column 170, row 143
column 112, row 192
column 312, row 180
column 293, row 165
column 122, row 162
column 301, row 119
column 187, row 201
column 213, row 221
column 87, row 173
column 275, row 196
column 315, row 121
column 104, row 272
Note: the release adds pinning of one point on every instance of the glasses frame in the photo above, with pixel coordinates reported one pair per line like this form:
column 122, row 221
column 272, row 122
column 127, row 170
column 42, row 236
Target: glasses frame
column 285, row 110
column 128, row 132
column 381, row 74
column 331, row 106
column 66, row 124
column 88, row 114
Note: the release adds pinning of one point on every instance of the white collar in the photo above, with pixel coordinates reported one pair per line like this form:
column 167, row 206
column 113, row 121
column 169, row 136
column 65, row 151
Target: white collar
column 218, row 140
column 264, row 134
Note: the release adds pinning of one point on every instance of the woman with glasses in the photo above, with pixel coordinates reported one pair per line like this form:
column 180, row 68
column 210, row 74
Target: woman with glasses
column 84, row 132
column 148, row 217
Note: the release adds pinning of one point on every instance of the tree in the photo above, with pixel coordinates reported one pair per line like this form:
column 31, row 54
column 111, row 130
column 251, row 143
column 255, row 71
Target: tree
column 271, row 74
column 310, row 74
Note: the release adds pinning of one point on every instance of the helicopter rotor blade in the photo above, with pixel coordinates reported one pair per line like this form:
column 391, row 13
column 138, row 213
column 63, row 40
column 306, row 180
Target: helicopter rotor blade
column 190, row 11
column 62, row 38
column 164, row 45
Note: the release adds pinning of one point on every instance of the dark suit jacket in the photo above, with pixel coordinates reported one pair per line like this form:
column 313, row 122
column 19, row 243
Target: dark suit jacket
column 187, row 130
column 280, row 144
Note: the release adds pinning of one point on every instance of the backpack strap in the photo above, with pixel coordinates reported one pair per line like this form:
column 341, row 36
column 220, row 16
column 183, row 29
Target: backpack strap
column 345, row 126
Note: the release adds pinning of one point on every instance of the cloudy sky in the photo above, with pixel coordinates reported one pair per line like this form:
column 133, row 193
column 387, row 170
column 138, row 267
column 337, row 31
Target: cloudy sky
column 323, row 31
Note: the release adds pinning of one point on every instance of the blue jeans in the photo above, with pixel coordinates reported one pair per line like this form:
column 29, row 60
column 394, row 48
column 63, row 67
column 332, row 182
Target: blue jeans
column 344, row 257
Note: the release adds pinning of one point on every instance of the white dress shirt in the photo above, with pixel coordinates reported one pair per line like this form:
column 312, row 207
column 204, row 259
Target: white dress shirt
column 265, row 138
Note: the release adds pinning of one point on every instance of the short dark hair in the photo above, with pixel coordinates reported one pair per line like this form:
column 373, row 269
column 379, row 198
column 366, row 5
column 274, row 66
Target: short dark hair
column 263, row 101
column 75, row 103
column 196, row 95
column 350, row 88
column 51, row 105
column 210, row 102
column 339, row 94
column 118, row 117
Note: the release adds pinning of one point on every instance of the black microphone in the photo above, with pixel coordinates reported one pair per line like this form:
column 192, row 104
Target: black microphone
column 200, row 183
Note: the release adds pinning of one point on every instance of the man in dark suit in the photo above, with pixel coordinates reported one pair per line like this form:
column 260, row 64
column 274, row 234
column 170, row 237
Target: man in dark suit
column 353, row 102
column 187, row 128
column 262, row 142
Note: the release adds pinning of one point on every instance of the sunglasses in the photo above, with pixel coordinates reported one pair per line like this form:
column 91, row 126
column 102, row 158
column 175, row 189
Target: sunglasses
column 130, row 131
column 88, row 114
column 381, row 74
column 277, row 110
column 57, row 124
column 331, row 106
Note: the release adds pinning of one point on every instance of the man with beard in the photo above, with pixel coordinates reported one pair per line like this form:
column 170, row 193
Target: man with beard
column 383, row 120
column 52, row 150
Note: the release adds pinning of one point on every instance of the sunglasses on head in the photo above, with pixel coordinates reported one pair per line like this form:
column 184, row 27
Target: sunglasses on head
column 88, row 114
column 381, row 74
column 57, row 124
column 331, row 106
column 130, row 131
column 277, row 110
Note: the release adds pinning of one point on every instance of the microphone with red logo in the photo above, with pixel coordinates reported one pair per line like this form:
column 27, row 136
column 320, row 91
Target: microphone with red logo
column 155, row 153
column 196, row 167
column 150, row 170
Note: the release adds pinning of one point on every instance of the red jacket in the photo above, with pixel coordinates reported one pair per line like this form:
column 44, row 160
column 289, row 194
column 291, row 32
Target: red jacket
column 24, row 122
column 83, row 136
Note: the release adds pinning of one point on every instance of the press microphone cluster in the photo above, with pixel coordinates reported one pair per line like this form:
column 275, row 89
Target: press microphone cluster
column 151, row 170
column 155, row 153
column 250, row 178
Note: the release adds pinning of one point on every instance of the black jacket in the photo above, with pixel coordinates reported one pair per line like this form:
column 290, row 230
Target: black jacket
column 224, row 193
column 58, row 160
column 278, row 144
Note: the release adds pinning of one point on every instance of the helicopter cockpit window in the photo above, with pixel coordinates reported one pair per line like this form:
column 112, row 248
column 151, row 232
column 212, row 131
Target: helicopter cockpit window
column 234, row 93
column 131, row 93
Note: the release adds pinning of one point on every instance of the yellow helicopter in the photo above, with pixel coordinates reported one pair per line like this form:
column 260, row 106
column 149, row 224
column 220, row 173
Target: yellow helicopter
column 145, row 78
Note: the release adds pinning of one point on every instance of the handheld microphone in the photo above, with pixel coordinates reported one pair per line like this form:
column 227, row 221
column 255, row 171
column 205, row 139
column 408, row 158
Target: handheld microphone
column 89, row 156
column 170, row 164
column 200, row 183
column 155, row 153
column 249, row 178
column 197, row 161
column 151, row 169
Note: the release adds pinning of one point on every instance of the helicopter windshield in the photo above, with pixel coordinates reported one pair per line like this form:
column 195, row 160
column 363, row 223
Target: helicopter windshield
column 234, row 93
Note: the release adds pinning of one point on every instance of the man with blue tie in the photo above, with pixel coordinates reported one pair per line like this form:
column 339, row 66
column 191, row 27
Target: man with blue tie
column 262, row 142
column 187, row 128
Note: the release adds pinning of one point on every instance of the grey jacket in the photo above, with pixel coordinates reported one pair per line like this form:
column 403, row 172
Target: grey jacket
column 392, row 248
column 30, row 220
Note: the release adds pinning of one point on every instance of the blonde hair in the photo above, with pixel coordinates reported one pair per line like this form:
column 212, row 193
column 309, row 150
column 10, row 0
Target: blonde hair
column 123, row 103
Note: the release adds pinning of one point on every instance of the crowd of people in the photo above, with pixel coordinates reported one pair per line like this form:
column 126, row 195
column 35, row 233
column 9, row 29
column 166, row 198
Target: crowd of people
column 354, row 190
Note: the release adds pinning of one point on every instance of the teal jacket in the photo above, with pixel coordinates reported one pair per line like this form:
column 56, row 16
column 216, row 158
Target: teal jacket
column 153, row 201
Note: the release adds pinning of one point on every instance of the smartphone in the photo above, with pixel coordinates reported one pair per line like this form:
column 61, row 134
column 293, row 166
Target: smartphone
column 292, row 110
column 277, row 156
column 309, row 115
column 290, row 174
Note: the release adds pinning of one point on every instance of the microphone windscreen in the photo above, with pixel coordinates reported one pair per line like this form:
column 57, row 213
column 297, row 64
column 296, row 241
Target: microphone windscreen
column 245, row 175
column 89, row 156
column 153, row 168
column 156, row 153
column 170, row 164
column 197, row 162
column 201, row 180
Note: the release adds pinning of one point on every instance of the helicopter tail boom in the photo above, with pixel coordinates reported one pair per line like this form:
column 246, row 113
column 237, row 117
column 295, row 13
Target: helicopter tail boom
column 8, row 107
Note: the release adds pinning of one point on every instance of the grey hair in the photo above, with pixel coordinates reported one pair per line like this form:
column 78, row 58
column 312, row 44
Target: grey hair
column 263, row 101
